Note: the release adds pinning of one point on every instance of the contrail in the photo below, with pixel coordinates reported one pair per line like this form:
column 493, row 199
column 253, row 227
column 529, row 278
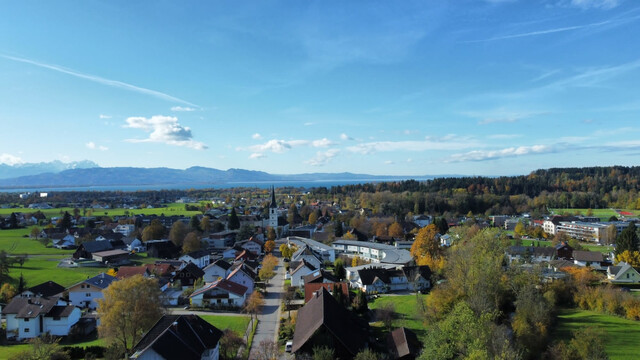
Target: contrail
column 101, row 80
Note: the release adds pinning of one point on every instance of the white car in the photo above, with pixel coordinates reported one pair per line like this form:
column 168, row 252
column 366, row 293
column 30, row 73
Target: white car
column 288, row 346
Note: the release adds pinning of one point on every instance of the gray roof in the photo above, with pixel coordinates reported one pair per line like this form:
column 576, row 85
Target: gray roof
column 392, row 255
column 101, row 280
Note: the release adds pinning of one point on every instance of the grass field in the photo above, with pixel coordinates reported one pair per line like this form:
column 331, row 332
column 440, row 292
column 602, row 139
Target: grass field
column 7, row 351
column 590, row 247
column 14, row 242
column 622, row 336
column 238, row 324
column 170, row 209
column 603, row 214
column 44, row 268
column 405, row 309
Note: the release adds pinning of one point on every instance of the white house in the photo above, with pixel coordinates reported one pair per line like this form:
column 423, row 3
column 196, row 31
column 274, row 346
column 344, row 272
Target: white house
column 86, row 293
column 67, row 242
column 242, row 276
column 200, row 258
column 300, row 270
column 222, row 293
column 124, row 229
column 623, row 273
column 305, row 253
column 588, row 258
column 218, row 270
column 251, row 245
column 31, row 317
column 385, row 280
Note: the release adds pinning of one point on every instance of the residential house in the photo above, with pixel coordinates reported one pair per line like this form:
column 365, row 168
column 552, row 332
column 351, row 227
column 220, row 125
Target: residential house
column 403, row 344
column 129, row 271
column 125, row 229
column 222, row 293
column 422, row 220
column 564, row 251
column 185, row 337
column 588, row 258
column 218, row 270
column 46, row 289
column 251, row 245
column 111, row 257
column 163, row 249
column 319, row 276
column 86, row 293
column 380, row 280
column 623, row 273
column 299, row 269
column 31, row 317
column 307, row 254
column 201, row 258
column 66, row 242
column 311, row 288
column 241, row 274
column 188, row 275
column 530, row 254
column 324, row 322
column 86, row 249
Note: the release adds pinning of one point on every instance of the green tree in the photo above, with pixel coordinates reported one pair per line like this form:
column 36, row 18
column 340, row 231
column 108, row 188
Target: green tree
column 44, row 347
column 191, row 243
column 194, row 224
column 234, row 221
column 339, row 270
column 359, row 304
column 129, row 308
column 230, row 343
column 65, row 222
column 519, row 230
column 627, row 240
column 246, row 231
column 442, row 225
column 13, row 221
column 292, row 215
column 154, row 231
column 323, row 353
column 368, row 354
column 178, row 232
column 35, row 232
column 338, row 231
column 205, row 224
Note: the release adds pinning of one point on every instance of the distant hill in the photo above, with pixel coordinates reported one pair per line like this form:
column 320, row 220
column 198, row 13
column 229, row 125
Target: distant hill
column 13, row 171
column 98, row 176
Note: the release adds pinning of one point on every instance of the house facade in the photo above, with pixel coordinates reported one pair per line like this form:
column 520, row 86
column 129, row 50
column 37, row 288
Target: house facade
column 85, row 294
column 220, row 294
column 28, row 318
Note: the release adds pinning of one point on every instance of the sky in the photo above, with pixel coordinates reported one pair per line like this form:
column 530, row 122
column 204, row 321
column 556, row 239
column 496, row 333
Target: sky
column 466, row 87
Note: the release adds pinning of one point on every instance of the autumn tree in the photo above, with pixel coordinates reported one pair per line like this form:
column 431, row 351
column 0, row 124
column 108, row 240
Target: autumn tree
column 230, row 343
column 129, row 308
column 519, row 229
column 191, row 243
column 313, row 218
column 7, row 292
column 35, row 232
column 271, row 233
column 154, row 231
column 339, row 270
column 630, row 257
column 426, row 245
column 396, row 231
column 286, row 251
column 205, row 224
column 269, row 245
column 253, row 304
column 178, row 232
column 194, row 223
column 267, row 350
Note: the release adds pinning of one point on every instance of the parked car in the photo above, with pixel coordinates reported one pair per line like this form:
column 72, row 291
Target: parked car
column 288, row 346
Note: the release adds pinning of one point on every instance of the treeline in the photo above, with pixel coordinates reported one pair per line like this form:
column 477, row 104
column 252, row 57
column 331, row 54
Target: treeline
column 592, row 187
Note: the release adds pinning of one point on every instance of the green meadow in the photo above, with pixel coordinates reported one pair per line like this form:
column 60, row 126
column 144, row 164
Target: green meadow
column 168, row 210
column 237, row 324
column 621, row 338
column 406, row 311
column 603, row 214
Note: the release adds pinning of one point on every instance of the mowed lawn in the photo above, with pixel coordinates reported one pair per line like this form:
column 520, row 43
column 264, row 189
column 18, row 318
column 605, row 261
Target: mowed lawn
column 7, row 351
column 14, row 242
column 622, row 336
column 238, row 324
column 586, row 246
column 406, row 310
column 39, row 269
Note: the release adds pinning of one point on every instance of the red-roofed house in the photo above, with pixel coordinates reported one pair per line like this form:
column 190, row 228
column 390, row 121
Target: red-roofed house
column 222, row 293
column 312, row 288
column 129, row 271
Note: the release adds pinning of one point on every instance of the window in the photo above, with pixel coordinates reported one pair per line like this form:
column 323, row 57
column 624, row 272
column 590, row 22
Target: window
column 26, row 330
column 26, row 320
column 87, row 294
column 56, row 318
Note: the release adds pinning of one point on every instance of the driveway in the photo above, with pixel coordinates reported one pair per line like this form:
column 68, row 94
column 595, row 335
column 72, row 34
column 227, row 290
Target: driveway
column 270, row 315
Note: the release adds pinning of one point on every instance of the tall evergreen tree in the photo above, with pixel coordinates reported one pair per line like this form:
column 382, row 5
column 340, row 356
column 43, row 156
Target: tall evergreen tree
column 234, row 222
column 628, row 239
column 65, row 223
column 339, row 231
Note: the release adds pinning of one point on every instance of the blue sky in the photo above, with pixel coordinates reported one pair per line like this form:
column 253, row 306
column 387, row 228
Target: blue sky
column 493, row 87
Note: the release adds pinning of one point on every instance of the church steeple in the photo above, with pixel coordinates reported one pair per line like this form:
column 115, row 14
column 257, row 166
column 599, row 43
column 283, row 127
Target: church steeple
column 273, row 198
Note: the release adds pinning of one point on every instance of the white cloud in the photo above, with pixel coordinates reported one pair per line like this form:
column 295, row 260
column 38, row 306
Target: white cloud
column 323, row 157
column 324, row 142
column 256, row 136
column 389, row 162
column 103, row 116
column 345, row 137
column 100, row 80
column 309, row 123
column 276, row 146
column 10, row 159
column 257, row 156
column 501, row 115
column 164, row 129
column 482, row 155
column 182, row 108
column 414, row 146
column 595, row 4
column 91, row 145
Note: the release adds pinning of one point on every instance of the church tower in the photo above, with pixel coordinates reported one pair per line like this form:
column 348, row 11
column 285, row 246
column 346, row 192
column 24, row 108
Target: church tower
column 273, row 211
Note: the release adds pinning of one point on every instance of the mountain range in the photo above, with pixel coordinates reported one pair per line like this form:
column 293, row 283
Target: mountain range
column 82, row 174
column 26, row 169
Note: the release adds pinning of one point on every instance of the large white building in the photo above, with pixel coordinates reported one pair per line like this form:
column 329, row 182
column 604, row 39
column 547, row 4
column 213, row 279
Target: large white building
column 324, row 251
column 374, row 252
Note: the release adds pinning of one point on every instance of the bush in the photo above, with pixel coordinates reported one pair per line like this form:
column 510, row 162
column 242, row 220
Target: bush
column 76, row 352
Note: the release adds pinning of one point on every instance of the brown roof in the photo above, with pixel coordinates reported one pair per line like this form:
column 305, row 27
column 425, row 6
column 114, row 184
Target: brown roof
column 226, row 285
column 403, row 343
column 311, row 288
column 325, row 311
column 593, row 256
column 160, row 269
column 30, row 307
column 129, row 271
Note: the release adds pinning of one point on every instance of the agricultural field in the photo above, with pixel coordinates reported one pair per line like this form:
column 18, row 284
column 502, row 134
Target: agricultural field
column 621, row 337
column 406, row 311
column 603, row 214
column 168, row 210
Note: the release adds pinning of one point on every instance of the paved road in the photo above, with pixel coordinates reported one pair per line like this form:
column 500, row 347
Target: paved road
column 269, row 318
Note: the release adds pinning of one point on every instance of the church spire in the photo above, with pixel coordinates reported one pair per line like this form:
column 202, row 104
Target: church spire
column 273, row 197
